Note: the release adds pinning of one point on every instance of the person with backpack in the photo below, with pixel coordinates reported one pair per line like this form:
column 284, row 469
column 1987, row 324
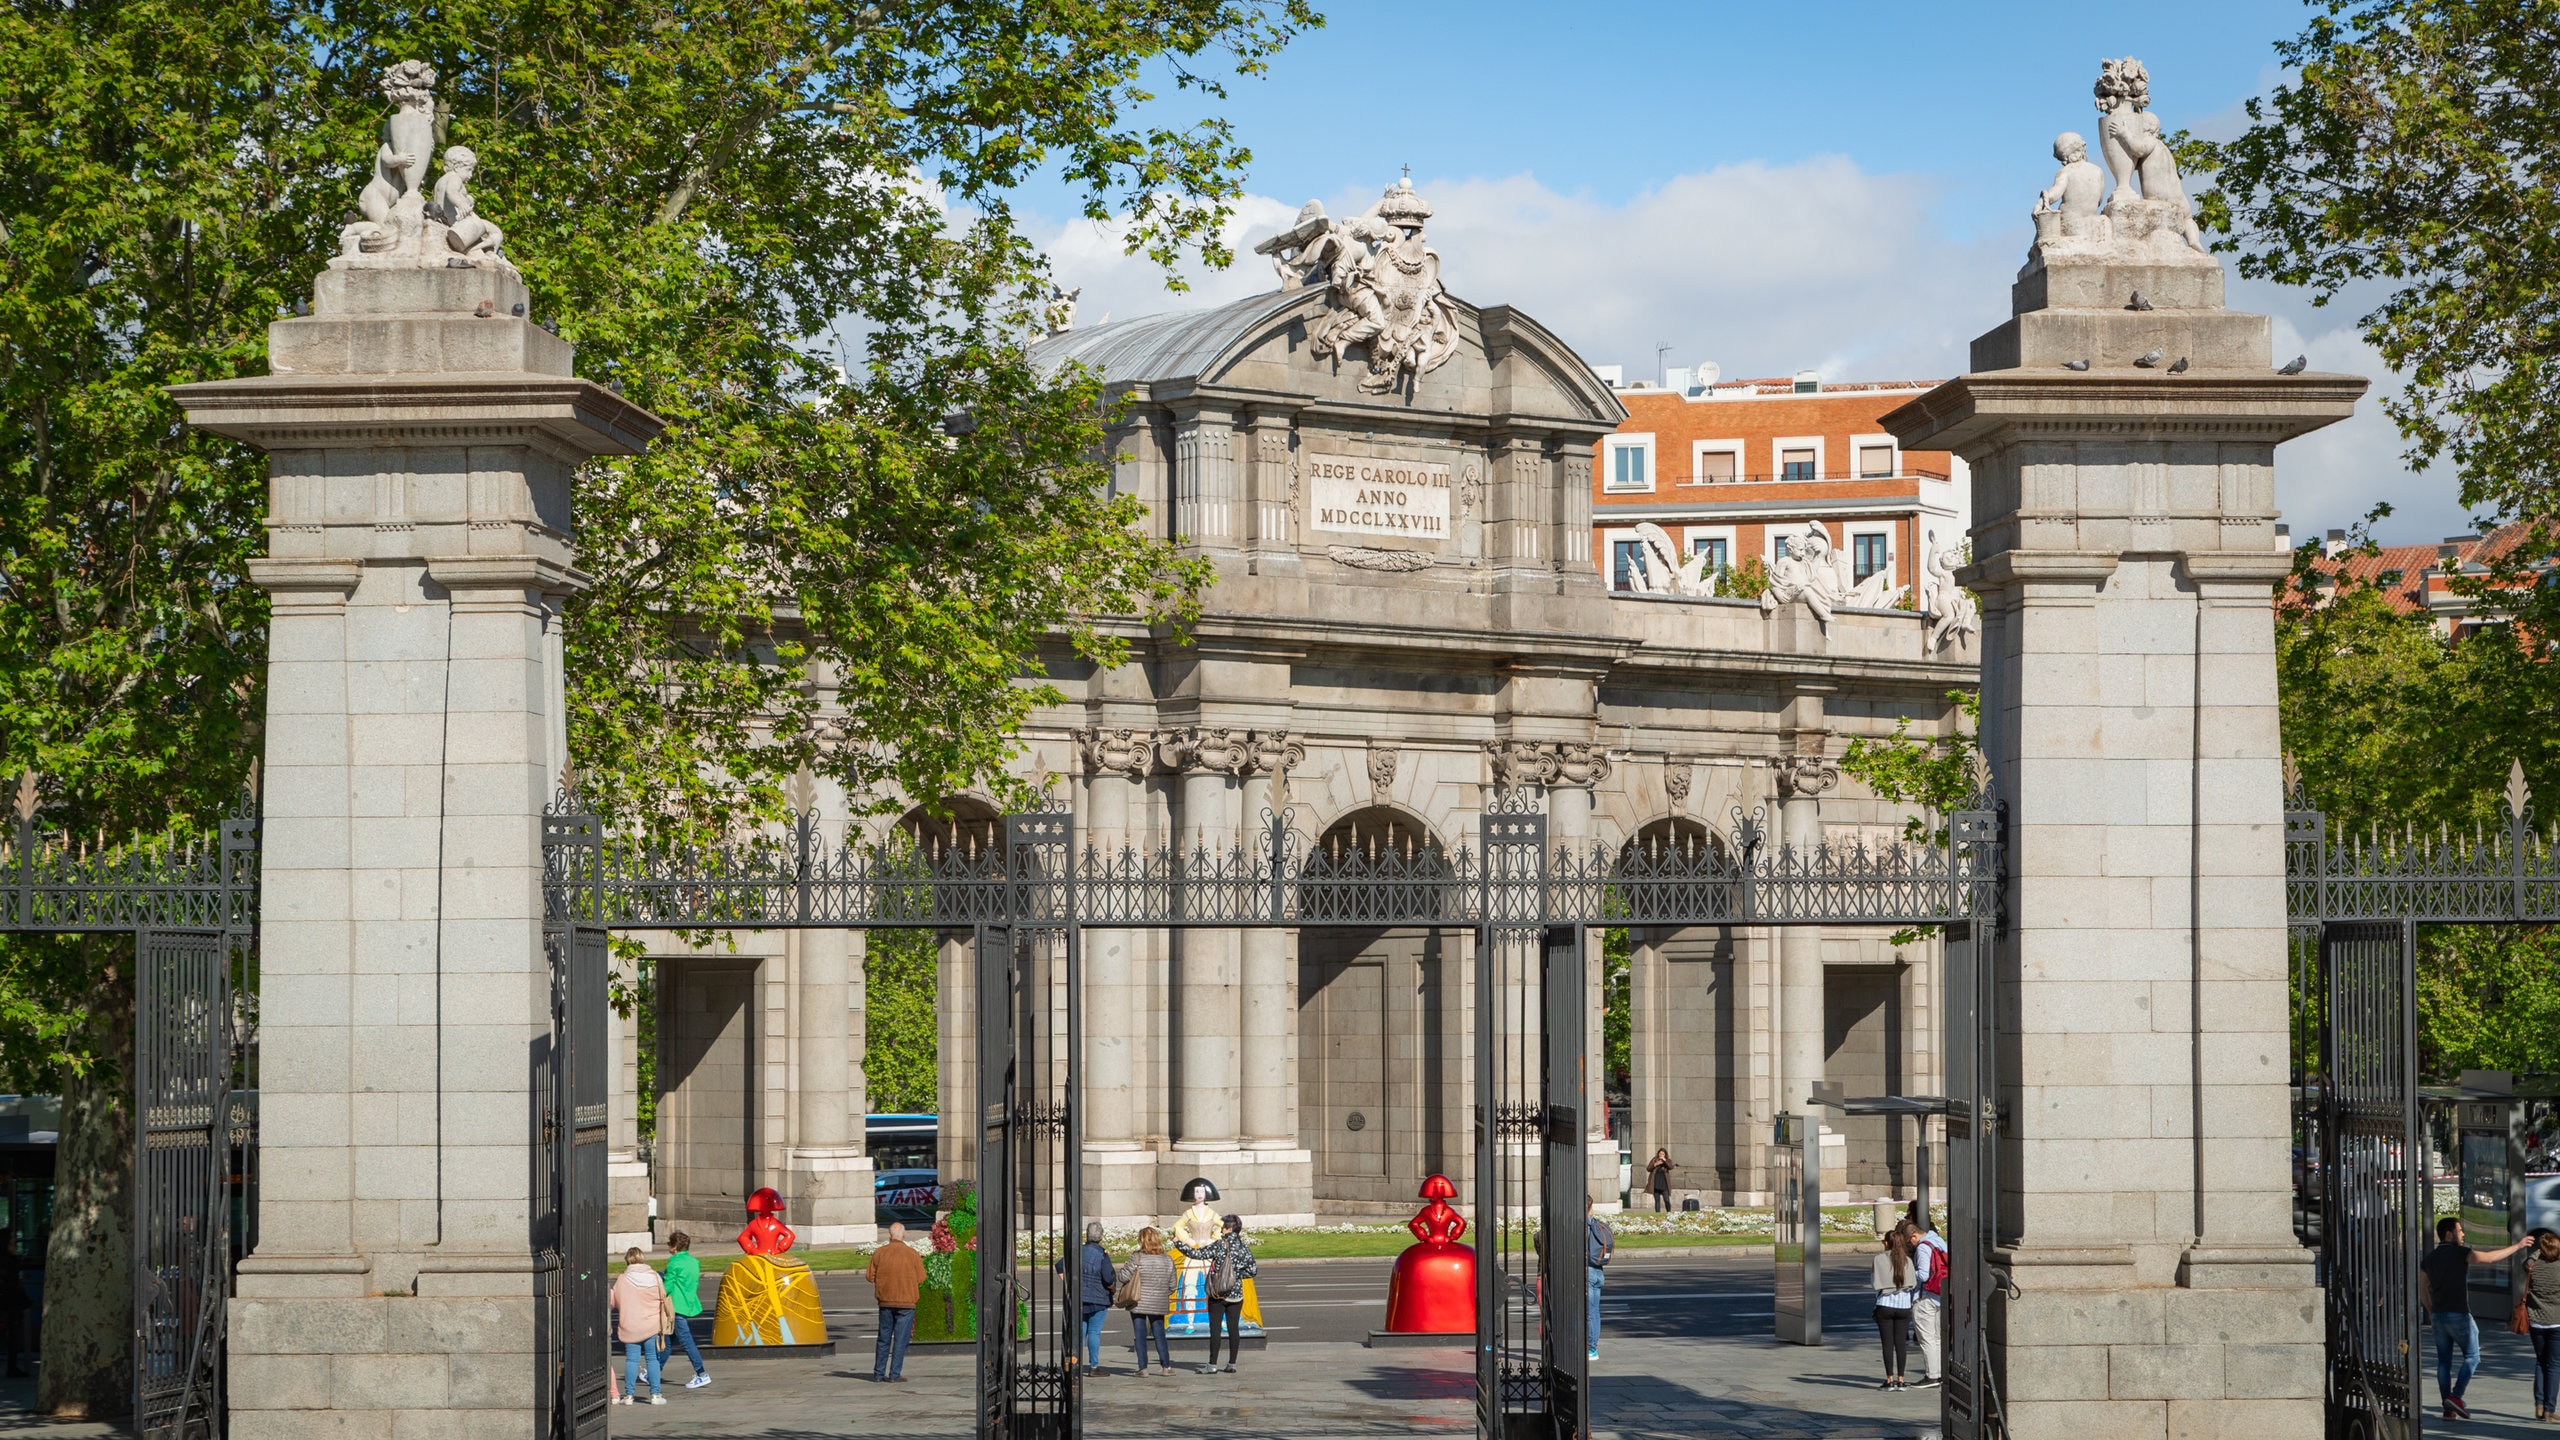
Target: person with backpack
column 1928, row 1308
column 1144, row 1288
column 1230, row 1261
column 684, row 1292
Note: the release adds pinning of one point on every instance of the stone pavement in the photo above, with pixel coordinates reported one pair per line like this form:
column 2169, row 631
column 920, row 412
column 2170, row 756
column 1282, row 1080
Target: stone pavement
column 1646, row 1390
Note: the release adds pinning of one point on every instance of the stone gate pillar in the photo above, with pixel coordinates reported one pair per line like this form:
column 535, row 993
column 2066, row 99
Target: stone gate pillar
column 2122, row 447
column 423, row 435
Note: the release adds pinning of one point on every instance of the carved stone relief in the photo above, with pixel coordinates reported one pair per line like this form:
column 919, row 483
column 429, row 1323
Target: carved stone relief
column 1382, row 767
column 1131, row 753
column 1803, row 777
column 1364, row 557
column 1676, row 775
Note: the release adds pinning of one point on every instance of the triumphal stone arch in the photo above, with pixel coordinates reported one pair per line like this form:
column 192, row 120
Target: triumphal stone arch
column 1391, row 486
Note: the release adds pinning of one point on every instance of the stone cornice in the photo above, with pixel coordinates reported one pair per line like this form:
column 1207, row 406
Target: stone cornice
column 1971, row 412
column 291, row 412
column 2022, row 567
column 306, row 576
column 506, row 572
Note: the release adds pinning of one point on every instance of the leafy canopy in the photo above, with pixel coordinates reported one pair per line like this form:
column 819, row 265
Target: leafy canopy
column 783, row 226
column 2418, row 148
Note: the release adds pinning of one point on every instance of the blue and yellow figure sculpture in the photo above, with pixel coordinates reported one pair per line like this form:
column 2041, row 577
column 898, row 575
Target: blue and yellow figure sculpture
column 1198, row 1226
column 766, row 1299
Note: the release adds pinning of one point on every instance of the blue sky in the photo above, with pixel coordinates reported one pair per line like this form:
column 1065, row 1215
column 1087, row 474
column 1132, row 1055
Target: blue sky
column 1838, row 186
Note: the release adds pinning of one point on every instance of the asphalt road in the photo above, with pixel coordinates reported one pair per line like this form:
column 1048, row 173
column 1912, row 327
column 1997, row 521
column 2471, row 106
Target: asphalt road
column 1649, row 1296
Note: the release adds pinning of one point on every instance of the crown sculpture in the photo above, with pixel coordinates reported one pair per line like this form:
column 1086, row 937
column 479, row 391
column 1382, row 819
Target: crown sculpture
column 399, row 224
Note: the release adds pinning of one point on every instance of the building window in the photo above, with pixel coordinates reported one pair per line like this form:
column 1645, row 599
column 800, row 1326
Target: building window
column 1630, row 465
column 1626, row 563
column 1717, row 549
column 1715, row 466
column 1875, row 460
column 1867, row 556
column 1795, row 465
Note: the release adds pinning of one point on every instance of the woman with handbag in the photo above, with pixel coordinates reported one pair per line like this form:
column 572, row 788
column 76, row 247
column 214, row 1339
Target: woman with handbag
column 1146, row 1292
column 2537, row 1314
column 1230, row 1261
column 642, row 1315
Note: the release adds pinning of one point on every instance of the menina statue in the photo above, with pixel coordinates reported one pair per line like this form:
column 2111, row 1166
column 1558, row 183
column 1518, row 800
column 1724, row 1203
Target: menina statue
column 397, row 227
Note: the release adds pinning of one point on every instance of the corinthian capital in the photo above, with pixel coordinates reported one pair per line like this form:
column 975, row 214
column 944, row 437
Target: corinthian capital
column 1131, row 753
column 1208, row 749
column 1802, row 777
column 1522, row 762
column 1581, row 764
column 1277, row 752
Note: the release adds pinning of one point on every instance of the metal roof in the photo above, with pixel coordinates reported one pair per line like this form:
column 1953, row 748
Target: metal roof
column 1176, row 345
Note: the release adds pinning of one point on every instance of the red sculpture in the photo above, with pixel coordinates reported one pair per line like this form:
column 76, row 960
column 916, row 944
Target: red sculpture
column 1433, row 1289
column 765, row 1233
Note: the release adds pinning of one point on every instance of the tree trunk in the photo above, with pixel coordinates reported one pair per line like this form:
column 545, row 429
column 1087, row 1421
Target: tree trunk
column 88, row 1275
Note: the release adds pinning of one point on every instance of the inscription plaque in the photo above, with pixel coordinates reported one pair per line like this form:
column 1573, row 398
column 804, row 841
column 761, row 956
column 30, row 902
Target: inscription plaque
column 1362, row 495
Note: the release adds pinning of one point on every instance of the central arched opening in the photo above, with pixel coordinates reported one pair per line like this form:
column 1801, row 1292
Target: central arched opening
column 1382, row 1021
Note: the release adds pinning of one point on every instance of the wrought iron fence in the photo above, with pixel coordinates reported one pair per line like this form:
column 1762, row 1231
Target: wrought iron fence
column 2505, row 872
column 791, row 876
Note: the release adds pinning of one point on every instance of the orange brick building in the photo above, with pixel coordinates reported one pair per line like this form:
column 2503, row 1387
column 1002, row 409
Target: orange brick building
column 1728, row 466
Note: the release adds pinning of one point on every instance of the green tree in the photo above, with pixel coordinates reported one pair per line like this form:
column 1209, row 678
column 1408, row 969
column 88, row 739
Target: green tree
column 901, row 1039
column 2417, row 150
column 2488, row 999
column 708, row 203
column 1938, row 773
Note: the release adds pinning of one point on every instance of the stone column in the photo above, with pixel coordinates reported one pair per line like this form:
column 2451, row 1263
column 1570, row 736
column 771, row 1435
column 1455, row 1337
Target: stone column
column 420, row 460
column 626, row 1176
column 2125, row 552
column 1207, row 1087
column 827, row 1175
column 1119, row 1178
column 1268, row 1013
column 1802, row 780
column 1579, row 768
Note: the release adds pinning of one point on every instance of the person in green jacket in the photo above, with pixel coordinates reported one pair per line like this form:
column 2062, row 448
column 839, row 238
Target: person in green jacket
column 684, row 1288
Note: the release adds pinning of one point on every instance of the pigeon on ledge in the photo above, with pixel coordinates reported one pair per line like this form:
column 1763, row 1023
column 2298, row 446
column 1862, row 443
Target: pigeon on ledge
column 2137, row 302
column 2149, row 361
column 2075, row 364
column 2296, row 367
column 2179, row 366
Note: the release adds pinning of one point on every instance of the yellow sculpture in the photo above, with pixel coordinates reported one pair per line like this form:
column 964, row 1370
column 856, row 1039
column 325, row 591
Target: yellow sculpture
column 766, row 1299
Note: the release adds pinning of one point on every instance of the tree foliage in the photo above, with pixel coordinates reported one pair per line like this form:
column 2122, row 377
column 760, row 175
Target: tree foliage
column 1938, row 774
column 2417, row 148
column 783, row 226
column 902, row 1038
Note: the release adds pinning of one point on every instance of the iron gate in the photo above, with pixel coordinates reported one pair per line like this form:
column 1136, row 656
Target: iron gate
column 1528, row 902
column 191, row 910
column 183, row 1177
column 2371, row 1232
column 571, row 1096
column 1030, row 1148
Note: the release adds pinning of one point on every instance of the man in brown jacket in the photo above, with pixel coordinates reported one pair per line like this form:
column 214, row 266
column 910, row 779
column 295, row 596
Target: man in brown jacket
column 896, row 1274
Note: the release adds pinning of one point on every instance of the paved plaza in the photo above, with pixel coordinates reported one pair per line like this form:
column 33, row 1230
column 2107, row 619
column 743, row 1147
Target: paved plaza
column 1686, row 1352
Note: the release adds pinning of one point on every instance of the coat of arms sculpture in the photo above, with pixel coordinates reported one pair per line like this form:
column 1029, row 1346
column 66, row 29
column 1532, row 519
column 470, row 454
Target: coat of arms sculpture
column 1382, row 282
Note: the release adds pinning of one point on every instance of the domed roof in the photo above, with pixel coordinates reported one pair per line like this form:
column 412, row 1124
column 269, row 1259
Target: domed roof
column 1176, row 345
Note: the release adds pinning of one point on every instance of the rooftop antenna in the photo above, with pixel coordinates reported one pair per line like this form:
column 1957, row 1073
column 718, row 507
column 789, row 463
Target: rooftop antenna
column 1661, row 348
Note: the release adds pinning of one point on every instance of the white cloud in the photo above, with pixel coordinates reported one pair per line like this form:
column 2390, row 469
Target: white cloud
column 1768, row 269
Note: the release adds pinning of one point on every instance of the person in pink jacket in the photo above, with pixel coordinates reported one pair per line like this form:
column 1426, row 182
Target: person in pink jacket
column 642, row 1313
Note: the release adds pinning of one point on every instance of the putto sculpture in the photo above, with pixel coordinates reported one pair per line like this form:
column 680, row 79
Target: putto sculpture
column 1950, row 610
column 2149, row 200
column 398, row 225
column 2069, row 206
column 1382, row 281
